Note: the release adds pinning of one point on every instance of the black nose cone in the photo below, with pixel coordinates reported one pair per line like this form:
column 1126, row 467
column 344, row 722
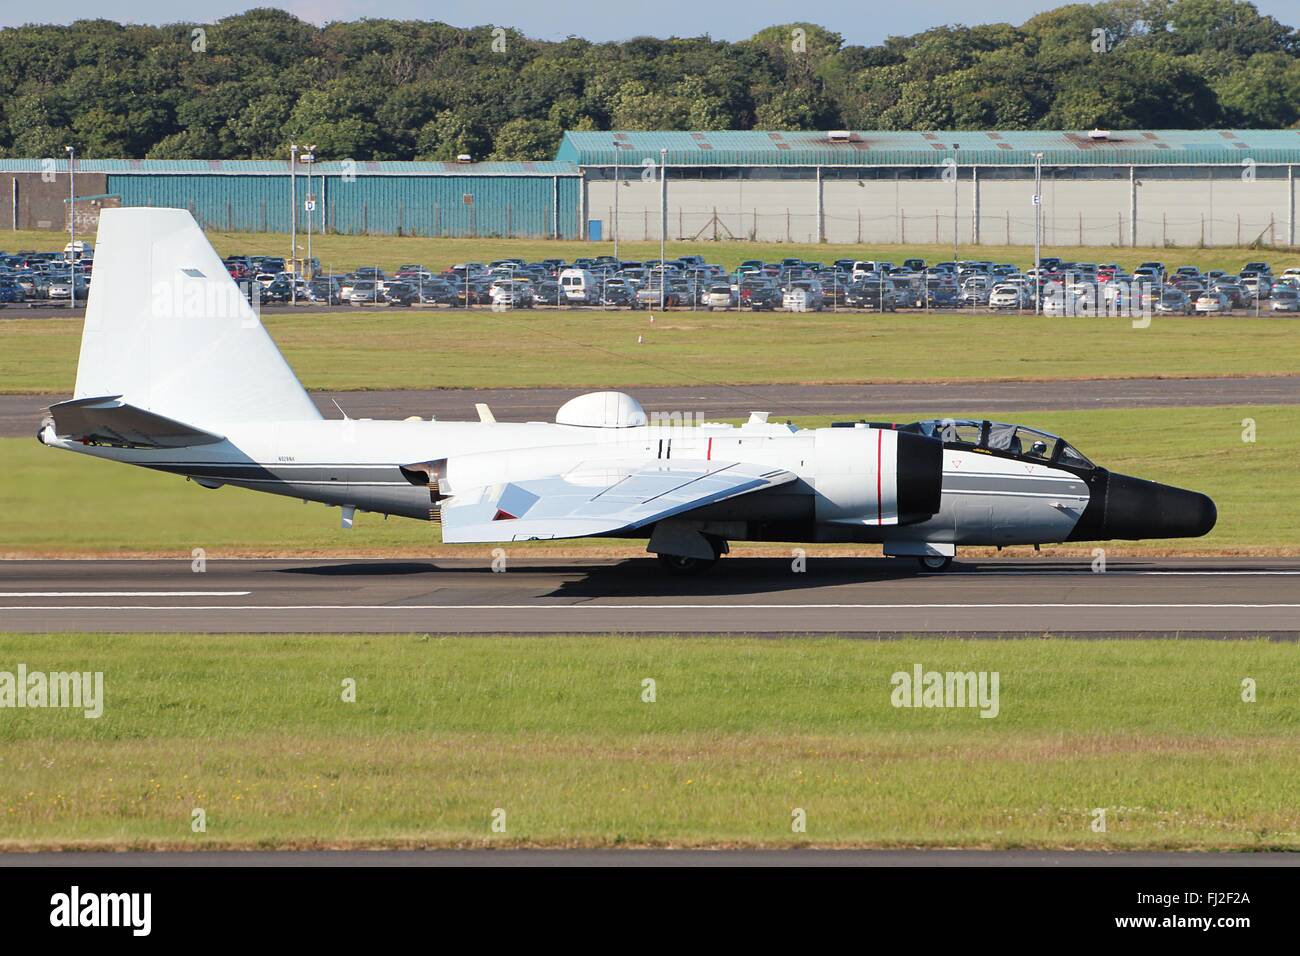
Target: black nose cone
column 1135, row 508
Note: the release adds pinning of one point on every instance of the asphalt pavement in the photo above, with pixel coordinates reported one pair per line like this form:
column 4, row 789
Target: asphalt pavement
column 1213, row 598
column 20, row 414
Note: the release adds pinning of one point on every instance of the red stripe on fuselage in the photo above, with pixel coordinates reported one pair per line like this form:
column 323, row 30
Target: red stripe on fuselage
column 880, row 467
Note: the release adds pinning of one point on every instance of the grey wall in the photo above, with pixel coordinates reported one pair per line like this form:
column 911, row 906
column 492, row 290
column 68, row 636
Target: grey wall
column 43, row 205
column 1178, row 207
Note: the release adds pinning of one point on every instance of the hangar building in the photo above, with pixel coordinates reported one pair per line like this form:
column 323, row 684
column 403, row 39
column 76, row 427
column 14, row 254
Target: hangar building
column 532, row 200
column 1122, row 188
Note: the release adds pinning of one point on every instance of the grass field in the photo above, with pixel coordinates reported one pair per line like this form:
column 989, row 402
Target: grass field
column 555, row 733
column 59, row 503
column 449, row 349
column 344, row 253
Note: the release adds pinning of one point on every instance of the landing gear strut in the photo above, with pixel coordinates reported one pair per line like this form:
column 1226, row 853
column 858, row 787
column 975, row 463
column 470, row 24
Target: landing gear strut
column 684, row 566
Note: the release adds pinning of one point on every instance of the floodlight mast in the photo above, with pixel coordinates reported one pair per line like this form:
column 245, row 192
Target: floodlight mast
column 1038, row 233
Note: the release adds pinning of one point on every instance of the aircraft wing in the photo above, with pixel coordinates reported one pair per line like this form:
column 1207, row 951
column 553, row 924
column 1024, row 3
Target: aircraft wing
column 599, row 498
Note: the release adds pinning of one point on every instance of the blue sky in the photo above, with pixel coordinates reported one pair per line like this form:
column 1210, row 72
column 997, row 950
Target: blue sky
column 858, row 22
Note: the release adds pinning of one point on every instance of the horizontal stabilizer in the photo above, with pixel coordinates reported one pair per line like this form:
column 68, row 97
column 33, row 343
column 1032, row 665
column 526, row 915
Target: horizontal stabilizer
column 107, row 420
column 599, row 498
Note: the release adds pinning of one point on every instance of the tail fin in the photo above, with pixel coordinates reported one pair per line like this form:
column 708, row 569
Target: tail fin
column 169, row 331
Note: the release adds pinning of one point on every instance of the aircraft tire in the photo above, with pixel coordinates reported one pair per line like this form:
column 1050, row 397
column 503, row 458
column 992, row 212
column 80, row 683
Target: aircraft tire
column 934, row 562
column 683, row 566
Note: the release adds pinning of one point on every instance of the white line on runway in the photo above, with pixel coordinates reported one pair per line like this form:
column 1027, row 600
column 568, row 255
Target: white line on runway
column 602, row 607
column 34, row 594
column 1221, row 574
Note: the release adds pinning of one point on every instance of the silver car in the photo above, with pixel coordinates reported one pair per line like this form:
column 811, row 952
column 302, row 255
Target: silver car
column 1212, row 302
column 1285, row 299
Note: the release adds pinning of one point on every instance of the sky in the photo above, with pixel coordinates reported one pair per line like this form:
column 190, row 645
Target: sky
column 859, row 23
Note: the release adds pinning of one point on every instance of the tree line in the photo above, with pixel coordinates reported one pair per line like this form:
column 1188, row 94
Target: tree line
column 248, row 85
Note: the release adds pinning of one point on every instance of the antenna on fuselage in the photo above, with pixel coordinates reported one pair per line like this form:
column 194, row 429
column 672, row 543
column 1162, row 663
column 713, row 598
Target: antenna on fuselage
column 346, row 416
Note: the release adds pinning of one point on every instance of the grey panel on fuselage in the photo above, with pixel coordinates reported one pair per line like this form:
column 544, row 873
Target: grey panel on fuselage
column 993, row 509
column 378, row 488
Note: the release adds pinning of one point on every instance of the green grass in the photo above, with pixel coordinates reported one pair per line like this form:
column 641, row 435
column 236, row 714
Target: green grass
column 452, row 349
column 555, row 732
column 344, row 253
column 59, row 503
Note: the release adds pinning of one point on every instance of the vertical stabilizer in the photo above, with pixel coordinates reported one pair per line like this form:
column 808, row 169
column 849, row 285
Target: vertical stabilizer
column 169, row 331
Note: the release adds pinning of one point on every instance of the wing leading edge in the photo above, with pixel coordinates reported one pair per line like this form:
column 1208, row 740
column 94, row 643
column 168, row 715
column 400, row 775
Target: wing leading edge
column 599, row 498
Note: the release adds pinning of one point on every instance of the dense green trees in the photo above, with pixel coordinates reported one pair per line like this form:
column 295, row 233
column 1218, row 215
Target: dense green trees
column 248, row 85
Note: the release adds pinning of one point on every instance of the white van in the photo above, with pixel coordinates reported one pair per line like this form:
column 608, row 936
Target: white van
column 79, row 250
column 578, row 285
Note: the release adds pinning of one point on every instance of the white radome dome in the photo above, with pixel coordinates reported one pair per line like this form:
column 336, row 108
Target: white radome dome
column 602, row 410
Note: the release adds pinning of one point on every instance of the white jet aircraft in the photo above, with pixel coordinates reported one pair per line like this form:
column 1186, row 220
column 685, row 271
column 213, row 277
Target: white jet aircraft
column 178, row 374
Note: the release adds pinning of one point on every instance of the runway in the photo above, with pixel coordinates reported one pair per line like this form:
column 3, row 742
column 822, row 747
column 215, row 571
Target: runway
column 649, row 858
column 20, row 414
column 1223, row 598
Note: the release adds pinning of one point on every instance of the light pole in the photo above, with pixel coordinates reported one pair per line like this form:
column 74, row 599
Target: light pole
column 956, row 196
column 72, row 226
column 1038, row 233
column 293, row 222
column 616, row 203
column 309, row 157
column 663, row 225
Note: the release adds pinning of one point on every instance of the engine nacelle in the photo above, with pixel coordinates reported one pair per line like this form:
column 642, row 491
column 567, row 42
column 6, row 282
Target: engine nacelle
column 877, row 476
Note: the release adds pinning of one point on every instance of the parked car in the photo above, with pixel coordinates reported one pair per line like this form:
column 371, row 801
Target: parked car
column 803, row 295
column 650, row 296
column 873, row 296
column 1057, row 302
column 718, row 297
column 1173, row 302
column 1236, row 294
column 1285, row 299
column 325, row 291
column 435, row 292
column 34, row 286
column 1007, row 296
column 941, row 296
column 512, row 294
column 366, row 292
column 578, row 286
column 285, row 289
column 402, row 294
column 65, row 288
column 759, row 295
column 1211, row 302
column 11, row 291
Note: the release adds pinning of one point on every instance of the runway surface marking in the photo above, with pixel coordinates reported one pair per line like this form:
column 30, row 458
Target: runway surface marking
column 589, row 607
column 1221, row 597
column 36, row 594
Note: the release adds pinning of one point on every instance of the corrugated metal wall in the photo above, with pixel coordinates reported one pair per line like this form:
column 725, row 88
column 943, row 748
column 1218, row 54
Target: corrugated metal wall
column 523, row 206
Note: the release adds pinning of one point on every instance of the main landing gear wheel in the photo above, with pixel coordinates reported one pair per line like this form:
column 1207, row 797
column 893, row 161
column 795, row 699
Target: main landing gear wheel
column 934, row 562
column 684, row 566
column 681, row 565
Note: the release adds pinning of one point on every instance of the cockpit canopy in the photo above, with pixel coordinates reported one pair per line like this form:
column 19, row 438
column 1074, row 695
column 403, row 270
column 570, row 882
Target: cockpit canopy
column 1016, row 441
